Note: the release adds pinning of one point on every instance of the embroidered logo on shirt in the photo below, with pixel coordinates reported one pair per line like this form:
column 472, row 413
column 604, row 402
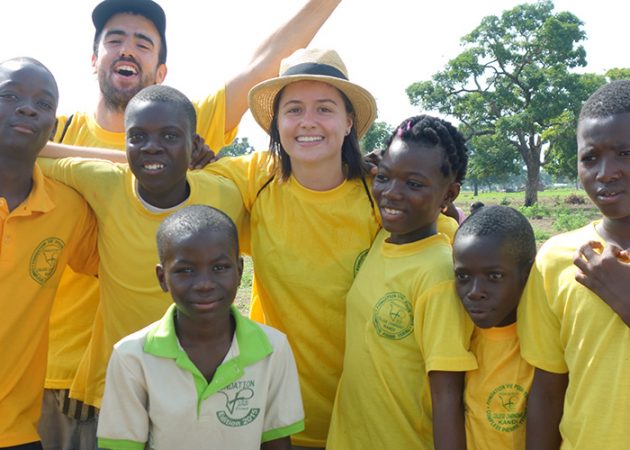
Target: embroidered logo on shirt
column 359, row 262
column 506, row 408
column 45, row 258
column 392, row 316
column 237, row 411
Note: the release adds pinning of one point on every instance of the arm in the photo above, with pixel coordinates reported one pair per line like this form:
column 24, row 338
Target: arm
column 606, row 272
column 56, row 151
column 296, row 33
column 544, row 410
column 447, row 392
column 277, row 444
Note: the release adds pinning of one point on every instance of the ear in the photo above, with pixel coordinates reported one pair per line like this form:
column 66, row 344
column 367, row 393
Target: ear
column 240, row 269
column 349, row 123
column 160, row 74
column 197, row 146
column 159, row 271
column 94, row 58
column 451, row 194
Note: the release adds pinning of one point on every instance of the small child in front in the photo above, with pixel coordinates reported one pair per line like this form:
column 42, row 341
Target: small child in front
column 407, row 334
column 203, row 376
column 493, row 252
column 574, row 319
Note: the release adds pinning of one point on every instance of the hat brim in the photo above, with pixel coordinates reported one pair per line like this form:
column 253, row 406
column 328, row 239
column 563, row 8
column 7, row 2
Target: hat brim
column 149, row 9
column 261, row 98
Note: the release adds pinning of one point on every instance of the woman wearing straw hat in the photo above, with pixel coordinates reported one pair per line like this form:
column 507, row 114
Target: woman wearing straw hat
column 312, row 216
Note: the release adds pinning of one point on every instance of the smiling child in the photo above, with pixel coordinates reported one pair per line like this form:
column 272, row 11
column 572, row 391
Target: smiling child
column 493, row 252
column 203, row 376
column 406, row 332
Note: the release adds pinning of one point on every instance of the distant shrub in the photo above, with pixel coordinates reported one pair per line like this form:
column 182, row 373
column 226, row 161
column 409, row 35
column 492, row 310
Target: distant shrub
column 570, row 221
column 541, row 235
column 505, row 202
column 536, row 211
column 574, row 199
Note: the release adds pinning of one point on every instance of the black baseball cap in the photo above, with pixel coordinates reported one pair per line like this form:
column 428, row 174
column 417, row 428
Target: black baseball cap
column 146, row 8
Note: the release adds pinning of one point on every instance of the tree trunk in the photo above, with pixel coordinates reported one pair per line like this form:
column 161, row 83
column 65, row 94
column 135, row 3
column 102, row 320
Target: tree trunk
column 533, row 179
column 475, row 188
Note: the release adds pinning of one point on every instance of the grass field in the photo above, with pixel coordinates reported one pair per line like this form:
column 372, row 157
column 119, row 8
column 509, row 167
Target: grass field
column 557, row 210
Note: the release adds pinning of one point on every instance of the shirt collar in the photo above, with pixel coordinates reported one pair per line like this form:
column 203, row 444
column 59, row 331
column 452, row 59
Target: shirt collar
column 253, row 343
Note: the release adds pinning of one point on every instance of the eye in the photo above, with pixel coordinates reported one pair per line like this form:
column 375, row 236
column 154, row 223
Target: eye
column 220, row 267
column 183, row 270
column 8, row 96
column 170, row 136
column 461, row 277
column 587, row 158
column 624, row 153
column 495, row 276
column 414, row 184
column 144, row 47
column 381, row 178
column 325, row 109
column 135, row 138
column 48, row 106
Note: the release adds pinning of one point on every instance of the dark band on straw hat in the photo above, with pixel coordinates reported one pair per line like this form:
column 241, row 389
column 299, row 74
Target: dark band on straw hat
column 314, row 69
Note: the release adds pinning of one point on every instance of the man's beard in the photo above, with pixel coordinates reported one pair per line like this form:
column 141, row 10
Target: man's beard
column 116, row 99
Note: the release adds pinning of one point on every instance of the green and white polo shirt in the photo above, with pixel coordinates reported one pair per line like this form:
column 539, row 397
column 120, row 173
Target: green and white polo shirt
column 154, row 393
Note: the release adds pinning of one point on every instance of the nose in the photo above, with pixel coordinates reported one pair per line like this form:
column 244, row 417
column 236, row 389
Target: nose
column 477, row 291
column 608, row 169
column 308, row 118
column 26, row 109
column 392, row 189
column 151, row 145
column 204, row 282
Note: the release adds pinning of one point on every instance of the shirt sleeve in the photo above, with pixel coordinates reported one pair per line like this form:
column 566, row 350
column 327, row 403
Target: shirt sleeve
column 284, row 415
column 84, row 255
column 124, row 420
column 443, row 330
column 538, row 327
column 211, row 121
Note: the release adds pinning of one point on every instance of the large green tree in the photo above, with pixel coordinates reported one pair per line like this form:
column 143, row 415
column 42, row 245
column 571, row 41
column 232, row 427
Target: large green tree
column 512, row 81
column 376, row 136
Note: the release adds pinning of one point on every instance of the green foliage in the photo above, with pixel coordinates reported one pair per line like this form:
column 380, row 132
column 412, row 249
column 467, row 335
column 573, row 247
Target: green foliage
column 541, row 235
column 237, row 148
column 376, row 137
column 510, row 84
column 618, row 74
column 536, row 211
column 505, row 201
column 570, row 220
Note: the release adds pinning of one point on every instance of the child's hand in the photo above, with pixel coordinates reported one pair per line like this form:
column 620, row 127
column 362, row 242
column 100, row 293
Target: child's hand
column 606, row 272
column 202, row 156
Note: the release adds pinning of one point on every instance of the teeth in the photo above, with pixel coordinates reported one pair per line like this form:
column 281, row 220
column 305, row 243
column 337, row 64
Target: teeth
column 309, row 138
column 127, row 69
column 154, row 166
column 392, row 211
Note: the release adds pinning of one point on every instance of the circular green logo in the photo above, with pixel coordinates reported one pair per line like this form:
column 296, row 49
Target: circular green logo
column 506, row 407
column 45, row 258
column 392, row 316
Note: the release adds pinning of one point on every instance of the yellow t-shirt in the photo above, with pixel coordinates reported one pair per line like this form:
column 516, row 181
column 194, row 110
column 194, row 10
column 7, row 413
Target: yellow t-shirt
column 495, row 395
column 53, row 227
column 305, row 245
column 403, row 320
column 566, row 328
column 77, row 297
column 130, row 296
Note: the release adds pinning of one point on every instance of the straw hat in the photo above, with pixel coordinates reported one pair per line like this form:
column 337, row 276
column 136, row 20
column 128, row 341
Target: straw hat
column 316, row 65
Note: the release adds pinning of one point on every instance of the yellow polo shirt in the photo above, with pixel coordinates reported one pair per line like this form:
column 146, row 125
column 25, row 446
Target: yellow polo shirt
column 53, row 227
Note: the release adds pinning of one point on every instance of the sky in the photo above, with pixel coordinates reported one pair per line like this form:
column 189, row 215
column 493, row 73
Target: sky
column 386, row 45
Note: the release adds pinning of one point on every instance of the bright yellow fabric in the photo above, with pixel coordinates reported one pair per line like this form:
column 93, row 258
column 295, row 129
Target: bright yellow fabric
column 130, row 294
column 51, row 228
column 77, row 298
column 304, row 245
column 403, row 320
column 495, row 395
column 565, row 328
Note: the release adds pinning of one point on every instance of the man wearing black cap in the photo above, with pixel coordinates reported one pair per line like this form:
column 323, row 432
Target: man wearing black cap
column 129, row 54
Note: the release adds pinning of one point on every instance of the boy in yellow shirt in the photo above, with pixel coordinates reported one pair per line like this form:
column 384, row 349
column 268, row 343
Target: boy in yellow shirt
column 44, row 226
column 493, row 252
column 574, row 319
column 130, row 201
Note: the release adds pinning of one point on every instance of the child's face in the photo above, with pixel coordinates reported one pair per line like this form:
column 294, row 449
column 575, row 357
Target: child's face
column 159, row 143
column 28, row 102
column 488, row 280
column 410, row 190
column 202, row 272
column 604, row 163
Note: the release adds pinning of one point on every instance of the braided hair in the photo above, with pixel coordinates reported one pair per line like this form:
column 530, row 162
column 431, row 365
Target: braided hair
column 431, row 131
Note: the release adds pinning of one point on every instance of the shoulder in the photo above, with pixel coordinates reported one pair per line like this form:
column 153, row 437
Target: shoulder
column 133, row 344
column 560, row 249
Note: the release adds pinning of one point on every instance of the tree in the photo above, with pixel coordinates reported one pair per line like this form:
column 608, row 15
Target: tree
column 376, row 136
column 237, row 148
column 512, row 81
